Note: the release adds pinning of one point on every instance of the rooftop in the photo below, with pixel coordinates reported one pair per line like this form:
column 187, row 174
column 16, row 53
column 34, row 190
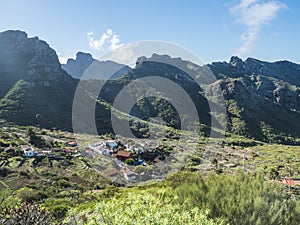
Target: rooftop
column 124, row 153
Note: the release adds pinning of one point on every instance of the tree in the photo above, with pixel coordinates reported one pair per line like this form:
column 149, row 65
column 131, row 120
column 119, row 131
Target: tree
column 38, row 118
column 273, row 174
column 215, row 163
column 34, row 139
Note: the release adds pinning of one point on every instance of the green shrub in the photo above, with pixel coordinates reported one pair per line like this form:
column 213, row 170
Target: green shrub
column 129, row 161
column 24, row 174
column 29, row 195
column 59, row 207
column 63, row 183
column 26, row 214
column 35, row 139
column 140, row 208
column 4, row 171
column 239, row 199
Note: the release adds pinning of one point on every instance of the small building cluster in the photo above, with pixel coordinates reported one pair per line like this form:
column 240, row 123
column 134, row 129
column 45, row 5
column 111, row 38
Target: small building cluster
column 128, row 157
column 51, row 153
column 135, row 160
column 28, row 150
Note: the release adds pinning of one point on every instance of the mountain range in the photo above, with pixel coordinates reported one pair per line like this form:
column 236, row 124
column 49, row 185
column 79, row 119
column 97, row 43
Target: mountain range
column 262, row 98
column 86, row 67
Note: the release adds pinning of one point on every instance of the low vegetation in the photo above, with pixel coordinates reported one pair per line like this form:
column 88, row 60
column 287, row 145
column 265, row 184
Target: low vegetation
column 211, row 188
column 188, row 198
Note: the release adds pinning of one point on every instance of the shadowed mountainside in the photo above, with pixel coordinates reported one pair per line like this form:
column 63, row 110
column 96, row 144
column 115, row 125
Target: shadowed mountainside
column 262, row 99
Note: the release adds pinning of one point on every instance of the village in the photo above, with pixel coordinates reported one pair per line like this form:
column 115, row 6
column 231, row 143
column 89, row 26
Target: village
column 139, row 163
column 136, row 162
column 126, row 161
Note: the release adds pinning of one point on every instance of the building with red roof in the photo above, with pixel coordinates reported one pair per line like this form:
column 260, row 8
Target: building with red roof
column 289, row 182
column 123, row 155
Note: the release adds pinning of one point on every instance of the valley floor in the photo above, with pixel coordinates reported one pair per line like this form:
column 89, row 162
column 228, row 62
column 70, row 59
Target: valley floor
column 67, row 177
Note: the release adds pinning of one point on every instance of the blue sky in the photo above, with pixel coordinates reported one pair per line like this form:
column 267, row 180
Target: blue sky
column 213, row 29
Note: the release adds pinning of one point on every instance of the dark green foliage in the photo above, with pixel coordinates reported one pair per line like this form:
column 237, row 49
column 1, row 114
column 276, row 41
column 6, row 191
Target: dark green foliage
column 140, row 169
column 157, row 107
column 26, row 214
column 30, row 195
column 59, row 207
column 129, row 161
column 4, row 171
column 194, row 161
column 139, row 207
column 63, row 183
column 4, row 144
column 238, row 199
column 34, row 139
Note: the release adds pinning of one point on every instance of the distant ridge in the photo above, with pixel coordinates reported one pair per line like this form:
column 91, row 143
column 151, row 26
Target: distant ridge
column 86, row 67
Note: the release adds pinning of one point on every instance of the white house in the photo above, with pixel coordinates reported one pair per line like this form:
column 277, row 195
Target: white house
column 112, row 143
column 128, row 148
column 100, row 148
column 138, row 150
column 106, row 152
column 98, row 144
column 28, row 150
column 130, row 175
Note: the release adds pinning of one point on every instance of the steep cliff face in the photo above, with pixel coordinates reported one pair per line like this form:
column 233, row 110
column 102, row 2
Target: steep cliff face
column 262, row 98
column 29, row 57
column 278, row 82
column 77, row 67
column 32, row 82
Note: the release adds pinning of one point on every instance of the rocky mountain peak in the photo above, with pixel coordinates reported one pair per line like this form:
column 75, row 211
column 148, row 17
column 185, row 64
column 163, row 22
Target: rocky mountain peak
column 237, row 62
column 32, row 82
column 14, row 34
column 82, row 56
column 32, row 57
column 86, row 67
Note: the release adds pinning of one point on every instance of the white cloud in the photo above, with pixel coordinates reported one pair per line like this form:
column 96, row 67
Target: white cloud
column 126, row 54
column 254, row 14
column 63, row 59
column 114, row 42
column 106, row 39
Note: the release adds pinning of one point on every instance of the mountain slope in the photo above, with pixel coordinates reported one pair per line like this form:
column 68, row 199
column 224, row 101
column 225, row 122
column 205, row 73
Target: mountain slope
column 33, row 83
column 262, row 99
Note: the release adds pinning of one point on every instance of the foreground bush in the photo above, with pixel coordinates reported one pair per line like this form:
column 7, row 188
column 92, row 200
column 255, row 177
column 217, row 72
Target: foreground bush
column 140, row 207
column 27, row 214
column 239, row 199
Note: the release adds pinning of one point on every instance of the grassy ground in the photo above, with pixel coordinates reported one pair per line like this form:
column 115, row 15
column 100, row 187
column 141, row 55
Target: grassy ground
column 62, row 184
